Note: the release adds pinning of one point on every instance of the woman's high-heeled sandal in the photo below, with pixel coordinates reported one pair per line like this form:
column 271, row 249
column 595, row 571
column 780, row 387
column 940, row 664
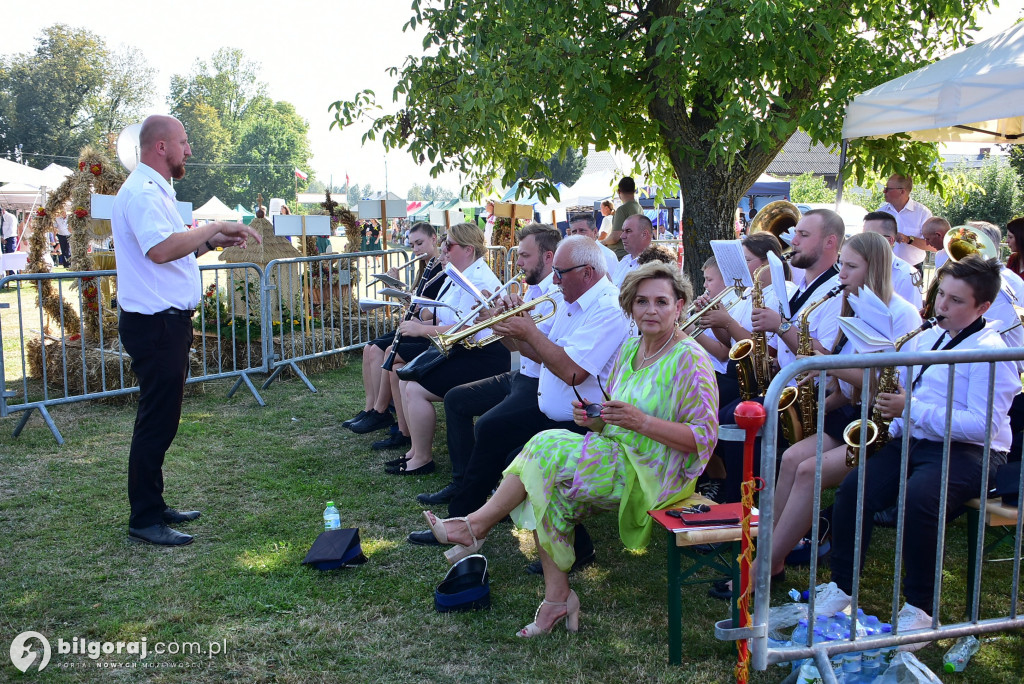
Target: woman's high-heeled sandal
column 571, row 617
column 458, row 551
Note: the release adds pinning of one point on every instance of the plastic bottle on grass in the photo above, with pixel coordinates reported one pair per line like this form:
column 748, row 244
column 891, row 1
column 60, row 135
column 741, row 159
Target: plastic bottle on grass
column 956, row 658
column 799, row 639
column 332, row 519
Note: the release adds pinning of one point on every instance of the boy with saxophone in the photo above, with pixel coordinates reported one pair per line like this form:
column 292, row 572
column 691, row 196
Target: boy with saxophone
column 965, row 292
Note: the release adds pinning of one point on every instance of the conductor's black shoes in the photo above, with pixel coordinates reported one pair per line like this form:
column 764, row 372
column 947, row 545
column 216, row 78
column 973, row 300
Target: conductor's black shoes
column 159, row 534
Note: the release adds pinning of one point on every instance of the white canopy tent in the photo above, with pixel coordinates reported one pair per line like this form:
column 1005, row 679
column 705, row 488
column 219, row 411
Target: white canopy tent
column 975, row 95
column 12, row 172
column 215, row 210
column 20, row 196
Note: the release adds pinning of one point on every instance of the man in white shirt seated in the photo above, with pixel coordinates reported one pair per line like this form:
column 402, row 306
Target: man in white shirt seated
column 934, row 232
column 903, row 274
column 637, row 234
column 585, row 225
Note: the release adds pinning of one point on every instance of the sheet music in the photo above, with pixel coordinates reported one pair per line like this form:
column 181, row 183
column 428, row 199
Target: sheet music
column 371, row 304
column 455, row 275
column 398, row 294
column 732, row 262
column 778, row 272
column 870, row 309
column 864, row 338
column 424, row 302
column 388, row 280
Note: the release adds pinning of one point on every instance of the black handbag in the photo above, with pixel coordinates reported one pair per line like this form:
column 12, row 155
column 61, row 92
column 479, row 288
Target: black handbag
column 415, row 370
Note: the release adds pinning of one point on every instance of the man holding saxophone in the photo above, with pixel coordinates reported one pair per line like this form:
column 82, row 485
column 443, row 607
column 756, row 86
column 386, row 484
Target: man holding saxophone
column 815, row 247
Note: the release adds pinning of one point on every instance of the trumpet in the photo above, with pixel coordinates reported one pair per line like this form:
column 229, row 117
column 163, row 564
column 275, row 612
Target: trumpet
column 446, row 341
column 517, row 280
column 696, row 316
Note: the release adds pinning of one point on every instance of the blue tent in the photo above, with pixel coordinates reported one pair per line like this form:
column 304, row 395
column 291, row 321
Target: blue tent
column 764, row 191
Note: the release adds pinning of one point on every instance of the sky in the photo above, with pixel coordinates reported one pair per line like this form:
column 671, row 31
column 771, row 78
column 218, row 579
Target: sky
column 311, row 53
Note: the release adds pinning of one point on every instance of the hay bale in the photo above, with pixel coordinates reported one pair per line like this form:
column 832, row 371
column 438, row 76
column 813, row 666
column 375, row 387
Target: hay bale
column 87, row 367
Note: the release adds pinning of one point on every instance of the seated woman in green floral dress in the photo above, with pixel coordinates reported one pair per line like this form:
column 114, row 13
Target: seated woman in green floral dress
column 645, row 451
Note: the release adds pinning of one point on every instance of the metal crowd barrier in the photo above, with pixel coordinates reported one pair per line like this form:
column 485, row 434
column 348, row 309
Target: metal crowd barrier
column 764, row 655
column 497, row 259
column 313, row 310
column 83, row 364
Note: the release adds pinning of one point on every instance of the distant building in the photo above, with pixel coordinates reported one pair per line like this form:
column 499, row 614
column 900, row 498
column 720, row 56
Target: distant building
column 800, row 156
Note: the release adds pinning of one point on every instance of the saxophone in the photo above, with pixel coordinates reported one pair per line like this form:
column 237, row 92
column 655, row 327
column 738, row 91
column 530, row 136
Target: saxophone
column 878, row 427
column 807, row 395
column 753, row 366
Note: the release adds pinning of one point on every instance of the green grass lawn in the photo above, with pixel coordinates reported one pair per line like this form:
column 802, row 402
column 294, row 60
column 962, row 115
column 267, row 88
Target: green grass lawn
column 261, row 477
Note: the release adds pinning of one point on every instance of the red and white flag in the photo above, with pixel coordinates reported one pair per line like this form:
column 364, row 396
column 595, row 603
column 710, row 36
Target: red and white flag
column 300, row 175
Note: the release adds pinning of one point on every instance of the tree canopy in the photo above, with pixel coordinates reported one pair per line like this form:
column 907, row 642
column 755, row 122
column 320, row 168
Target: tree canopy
column 244, row 142
column 70, row 92
column 701, row 95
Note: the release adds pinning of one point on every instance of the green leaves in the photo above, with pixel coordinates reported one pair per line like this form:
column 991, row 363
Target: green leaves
column 690, row 89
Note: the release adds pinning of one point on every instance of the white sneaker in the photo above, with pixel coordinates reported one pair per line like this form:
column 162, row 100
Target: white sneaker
column 912, row 619
column 830, row 599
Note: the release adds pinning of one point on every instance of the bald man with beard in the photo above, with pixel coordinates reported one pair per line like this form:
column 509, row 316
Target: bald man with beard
column 159, row 288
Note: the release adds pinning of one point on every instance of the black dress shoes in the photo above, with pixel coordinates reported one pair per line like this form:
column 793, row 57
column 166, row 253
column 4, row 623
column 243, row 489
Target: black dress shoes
column 173, row 517
column 423, row 538
column 441, row 497
column 398, row 441
column 394, row 463
column 425, row 469
column 159, row 534
column 536, row 568
column 371, row 422
column 354, row 419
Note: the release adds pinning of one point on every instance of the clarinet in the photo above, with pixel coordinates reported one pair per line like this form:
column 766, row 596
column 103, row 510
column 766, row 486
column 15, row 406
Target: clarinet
column 420, row 287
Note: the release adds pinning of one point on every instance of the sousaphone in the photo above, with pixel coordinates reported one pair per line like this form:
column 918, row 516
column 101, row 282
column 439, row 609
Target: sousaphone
column 776, row 218
column 964, row 240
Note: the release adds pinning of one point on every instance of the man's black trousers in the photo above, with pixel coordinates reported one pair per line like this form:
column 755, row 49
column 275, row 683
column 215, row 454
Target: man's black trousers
column 159, row 346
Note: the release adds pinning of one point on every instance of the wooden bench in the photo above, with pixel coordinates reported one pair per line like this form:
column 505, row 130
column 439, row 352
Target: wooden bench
column 996, row 515
column 722, row 561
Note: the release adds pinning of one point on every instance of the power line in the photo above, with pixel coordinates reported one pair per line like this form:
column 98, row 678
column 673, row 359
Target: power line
column 200, row 164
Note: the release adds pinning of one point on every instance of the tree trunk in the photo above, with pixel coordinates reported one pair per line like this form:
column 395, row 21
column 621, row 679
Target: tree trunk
column 709, row 199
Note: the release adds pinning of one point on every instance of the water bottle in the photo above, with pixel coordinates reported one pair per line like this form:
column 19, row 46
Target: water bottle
column 799, row 638
column 332, row 520
column 809, row 673
column 860, row 624
column 871, row 665
column 852, row 672
column 956, row 658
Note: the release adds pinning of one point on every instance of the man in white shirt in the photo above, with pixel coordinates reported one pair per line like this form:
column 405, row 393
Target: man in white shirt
column 64, row 238
column 585, row 225
column 934, row 232
column 10, row 233
column 637, row 234
column 816, row 242
column 159, row 287
column 903, row 274
column 910, row 217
